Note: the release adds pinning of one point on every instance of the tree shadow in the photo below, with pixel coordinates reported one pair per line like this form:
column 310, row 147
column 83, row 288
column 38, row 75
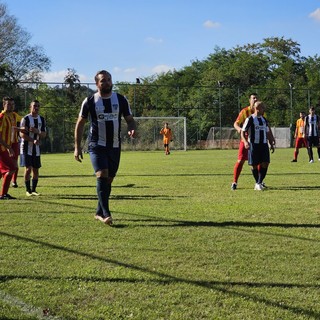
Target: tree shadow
column 226, row 287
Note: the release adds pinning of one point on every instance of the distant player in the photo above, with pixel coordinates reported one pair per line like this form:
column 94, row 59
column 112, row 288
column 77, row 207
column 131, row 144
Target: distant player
column 167, row 137
column 243, row 152
column 312, row 132
column 299, row 135
column 255, row 135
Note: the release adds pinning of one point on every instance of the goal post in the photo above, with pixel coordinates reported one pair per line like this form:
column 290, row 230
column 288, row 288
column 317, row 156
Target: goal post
column 148, row 134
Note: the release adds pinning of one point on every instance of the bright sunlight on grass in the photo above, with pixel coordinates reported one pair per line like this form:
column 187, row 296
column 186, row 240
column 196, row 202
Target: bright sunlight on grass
column 183, row 246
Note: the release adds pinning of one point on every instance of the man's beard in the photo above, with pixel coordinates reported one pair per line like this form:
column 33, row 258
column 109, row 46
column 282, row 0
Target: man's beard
column 106, row 90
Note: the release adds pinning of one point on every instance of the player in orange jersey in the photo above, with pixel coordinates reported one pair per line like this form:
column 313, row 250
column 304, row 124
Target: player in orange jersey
column 8, row 163
column 299, row 135
column 243, row 152
column 167, row 137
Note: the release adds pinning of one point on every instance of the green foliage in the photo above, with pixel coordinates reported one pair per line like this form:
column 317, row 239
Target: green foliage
column 184, row 246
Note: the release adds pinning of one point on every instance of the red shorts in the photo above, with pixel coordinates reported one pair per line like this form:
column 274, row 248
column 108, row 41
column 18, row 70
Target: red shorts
column 243, row 152
column 7, row 163
column 300, row 143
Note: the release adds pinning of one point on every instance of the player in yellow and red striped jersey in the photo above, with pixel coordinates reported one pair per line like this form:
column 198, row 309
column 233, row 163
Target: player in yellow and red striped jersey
column 8, row 163
column 243, row 152
column 299, row 135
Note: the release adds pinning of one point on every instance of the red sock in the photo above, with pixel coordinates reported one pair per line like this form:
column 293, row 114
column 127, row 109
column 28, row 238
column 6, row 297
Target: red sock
column 6, row 183
column 237, row 170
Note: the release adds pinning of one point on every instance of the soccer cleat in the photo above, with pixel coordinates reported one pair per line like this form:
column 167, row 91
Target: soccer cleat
column 106, row 220
column 14, row 185
column 7, row 197
column 263, row 185
column 29, row 194
column 233, row 186
column 294, row 160
column 35, row 193
column 311, row 161
column 258, row 187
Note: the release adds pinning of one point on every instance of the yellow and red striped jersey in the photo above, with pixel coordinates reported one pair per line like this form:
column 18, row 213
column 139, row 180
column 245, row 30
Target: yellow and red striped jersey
column 243, row 115
column 300, row 128
column 7, row 121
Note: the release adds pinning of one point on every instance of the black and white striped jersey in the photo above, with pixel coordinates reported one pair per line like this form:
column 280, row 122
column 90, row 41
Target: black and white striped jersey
column 312, row 125
column 28, row 147
column 105, row 118
column 257, row 128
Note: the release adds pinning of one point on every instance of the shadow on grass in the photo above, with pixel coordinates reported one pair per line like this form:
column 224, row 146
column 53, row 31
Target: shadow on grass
column 226, row 287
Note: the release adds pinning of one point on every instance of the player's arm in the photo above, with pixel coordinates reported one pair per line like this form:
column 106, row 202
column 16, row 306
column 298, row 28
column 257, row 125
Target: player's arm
column 236, row 125
column 271, row 140
column 131, row 125
column 244, row 138
column 78, row 133
column 239, row 121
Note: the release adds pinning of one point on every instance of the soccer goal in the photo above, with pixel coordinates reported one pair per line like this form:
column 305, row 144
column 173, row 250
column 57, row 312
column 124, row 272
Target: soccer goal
column 228, row 138
column 148, row 134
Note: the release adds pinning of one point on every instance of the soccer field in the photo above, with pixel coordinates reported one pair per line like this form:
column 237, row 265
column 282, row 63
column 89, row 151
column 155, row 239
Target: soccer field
column 183, row 245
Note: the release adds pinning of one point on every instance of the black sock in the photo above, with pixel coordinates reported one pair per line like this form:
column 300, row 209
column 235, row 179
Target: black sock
column 28, row 187
column 34, row 184
column 103, row 192
column 255, row 174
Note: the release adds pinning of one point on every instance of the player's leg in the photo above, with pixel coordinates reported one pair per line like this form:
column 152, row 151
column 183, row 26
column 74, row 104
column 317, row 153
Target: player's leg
column 15, row 147
column 242, row 157
column 310, row 152
column 7, row 168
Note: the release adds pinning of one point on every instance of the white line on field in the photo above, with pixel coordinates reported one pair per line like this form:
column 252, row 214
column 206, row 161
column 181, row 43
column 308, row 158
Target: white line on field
column 25, row 308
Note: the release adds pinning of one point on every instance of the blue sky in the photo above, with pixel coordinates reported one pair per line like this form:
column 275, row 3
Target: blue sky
column 138, row 38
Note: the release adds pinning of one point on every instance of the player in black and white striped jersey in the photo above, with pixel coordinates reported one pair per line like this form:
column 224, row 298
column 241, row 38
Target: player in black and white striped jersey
column 311, row 127
column 259, row 134
column 105, row 110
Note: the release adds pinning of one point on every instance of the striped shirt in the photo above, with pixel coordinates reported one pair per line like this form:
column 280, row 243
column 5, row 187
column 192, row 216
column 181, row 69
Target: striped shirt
column 312, row 125
column 243, row 115
column 300, row 128
column 257, row 127
column 105, row 118
column 28, row 147
column 7, row 122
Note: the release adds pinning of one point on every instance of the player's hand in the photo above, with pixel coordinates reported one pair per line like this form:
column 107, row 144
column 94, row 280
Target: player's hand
column 78, row 156
column 132, row 133
column 272, row 149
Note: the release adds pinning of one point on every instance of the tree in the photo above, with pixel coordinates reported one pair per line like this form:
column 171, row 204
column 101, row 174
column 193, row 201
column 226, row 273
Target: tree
column 19, row 61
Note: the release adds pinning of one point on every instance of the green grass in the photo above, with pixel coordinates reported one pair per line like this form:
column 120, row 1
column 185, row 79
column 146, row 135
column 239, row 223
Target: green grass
column 184, row 246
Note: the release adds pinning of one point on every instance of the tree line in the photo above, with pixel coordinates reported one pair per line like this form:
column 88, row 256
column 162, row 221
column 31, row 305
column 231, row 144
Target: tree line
column 207, row 92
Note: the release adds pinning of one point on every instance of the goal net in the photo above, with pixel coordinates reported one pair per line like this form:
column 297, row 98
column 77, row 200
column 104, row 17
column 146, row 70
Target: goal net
column 228, row 138
column 148, row 134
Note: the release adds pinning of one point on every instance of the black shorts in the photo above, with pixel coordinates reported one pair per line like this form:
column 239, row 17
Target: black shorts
column 30, row 161
column 258, row 153
column 104, row 158
column 313, row 141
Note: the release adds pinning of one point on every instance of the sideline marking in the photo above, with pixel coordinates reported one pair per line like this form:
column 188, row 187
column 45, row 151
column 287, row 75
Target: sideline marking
column 25, row 308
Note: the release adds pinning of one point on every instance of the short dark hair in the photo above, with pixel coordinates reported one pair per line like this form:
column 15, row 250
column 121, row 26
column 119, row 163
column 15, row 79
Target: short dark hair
column 7, row 98
column 101, row 72
column 253, row 94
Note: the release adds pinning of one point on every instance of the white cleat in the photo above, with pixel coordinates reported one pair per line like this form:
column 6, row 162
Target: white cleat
column 258, row 187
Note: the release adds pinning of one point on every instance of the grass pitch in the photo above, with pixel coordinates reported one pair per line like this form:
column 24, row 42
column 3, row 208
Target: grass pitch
column 183, row 246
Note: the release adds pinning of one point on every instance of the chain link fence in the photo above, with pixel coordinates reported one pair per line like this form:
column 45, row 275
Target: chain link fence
column 206, row 107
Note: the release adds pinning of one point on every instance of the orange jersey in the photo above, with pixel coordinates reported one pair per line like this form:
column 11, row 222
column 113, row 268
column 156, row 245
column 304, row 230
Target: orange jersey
column 299, row 128
column 7, row 121
column 167, row 135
